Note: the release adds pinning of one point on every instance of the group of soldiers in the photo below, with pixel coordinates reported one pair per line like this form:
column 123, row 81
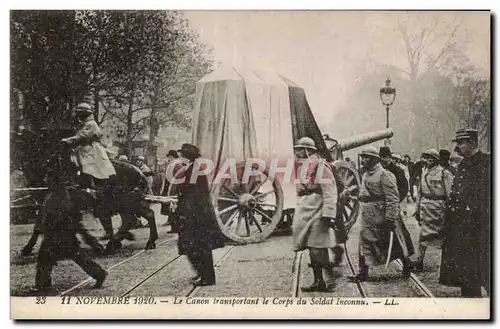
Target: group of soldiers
column 452, row 209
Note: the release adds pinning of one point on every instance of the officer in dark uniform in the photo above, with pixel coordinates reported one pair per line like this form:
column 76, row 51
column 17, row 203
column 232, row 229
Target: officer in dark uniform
column 198, row 230
column 465, row 259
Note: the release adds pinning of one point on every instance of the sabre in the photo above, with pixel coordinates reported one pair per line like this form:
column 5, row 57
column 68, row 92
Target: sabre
column 391, row 240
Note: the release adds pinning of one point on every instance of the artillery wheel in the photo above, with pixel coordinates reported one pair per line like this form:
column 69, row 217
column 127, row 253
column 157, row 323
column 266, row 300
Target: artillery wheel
column 248, row 213
column 350, row 205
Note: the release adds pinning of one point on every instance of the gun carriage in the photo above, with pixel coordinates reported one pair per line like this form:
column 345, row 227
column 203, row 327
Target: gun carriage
column 246, row 114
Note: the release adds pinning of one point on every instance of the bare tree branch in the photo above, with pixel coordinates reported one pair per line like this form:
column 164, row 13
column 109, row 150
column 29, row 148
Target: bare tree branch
column 446, row 46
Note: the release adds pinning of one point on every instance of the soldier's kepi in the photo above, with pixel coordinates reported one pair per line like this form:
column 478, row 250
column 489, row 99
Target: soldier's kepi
column 315, row 213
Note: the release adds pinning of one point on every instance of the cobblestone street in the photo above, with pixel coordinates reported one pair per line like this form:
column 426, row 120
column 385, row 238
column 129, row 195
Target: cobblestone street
column 263, row 269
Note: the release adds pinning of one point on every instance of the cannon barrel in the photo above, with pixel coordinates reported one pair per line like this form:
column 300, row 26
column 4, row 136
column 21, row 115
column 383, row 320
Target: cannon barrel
column 363, row 139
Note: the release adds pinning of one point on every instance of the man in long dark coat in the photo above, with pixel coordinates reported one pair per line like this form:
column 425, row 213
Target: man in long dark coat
column 61, row 219
column 389, row 164
column 198, row 230
column 466, row 259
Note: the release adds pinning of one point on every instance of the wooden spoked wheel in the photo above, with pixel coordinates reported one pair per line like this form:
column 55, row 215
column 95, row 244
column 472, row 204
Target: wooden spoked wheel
column 247, row 213
column 349, row 206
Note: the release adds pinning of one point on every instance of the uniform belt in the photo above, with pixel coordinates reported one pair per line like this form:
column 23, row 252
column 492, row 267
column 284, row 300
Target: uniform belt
column 372, row 199
column 433, row 197
column 309, row 192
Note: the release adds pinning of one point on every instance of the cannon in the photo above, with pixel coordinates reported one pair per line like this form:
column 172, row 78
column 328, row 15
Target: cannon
column 241, row 114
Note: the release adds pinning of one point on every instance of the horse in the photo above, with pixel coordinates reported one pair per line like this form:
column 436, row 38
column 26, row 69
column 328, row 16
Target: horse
column 122, row 194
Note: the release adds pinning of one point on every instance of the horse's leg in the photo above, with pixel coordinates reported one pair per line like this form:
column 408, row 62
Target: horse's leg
column 107, row 225
column 37, row 231
column 149, row 215
column 128, row 222
column 89, row 239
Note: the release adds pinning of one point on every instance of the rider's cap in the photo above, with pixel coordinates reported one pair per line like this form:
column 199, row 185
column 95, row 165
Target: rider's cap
column 83, row 108
column 307, row 143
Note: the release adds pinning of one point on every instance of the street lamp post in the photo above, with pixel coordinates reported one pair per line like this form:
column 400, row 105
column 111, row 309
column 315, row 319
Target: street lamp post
column 387, row 96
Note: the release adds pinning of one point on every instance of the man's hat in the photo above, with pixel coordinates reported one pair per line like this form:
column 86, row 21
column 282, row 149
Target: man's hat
column 189, row 149
column 84, row 108
column 370, row 151
column 431, row 153
column 307, row 143
column 123, row 158
column 385, row 151
column 466, row 133
column 140, row 157
column 444, row 153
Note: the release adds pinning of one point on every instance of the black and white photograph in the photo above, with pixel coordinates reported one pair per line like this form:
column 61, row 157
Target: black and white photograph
column 250, row 164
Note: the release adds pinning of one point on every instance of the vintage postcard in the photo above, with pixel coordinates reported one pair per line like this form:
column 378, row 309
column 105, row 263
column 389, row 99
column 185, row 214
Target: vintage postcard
column 250, row 164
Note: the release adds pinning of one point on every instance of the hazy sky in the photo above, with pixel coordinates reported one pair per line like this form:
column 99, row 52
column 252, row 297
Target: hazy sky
column 322, row 51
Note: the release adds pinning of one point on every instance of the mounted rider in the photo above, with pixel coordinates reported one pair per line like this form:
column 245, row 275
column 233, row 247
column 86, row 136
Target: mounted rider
column 88, row 152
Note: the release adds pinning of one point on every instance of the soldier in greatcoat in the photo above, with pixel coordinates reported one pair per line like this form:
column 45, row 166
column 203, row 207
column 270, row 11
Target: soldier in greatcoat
column 433, row 192
column 198, row 230
column 379, row 199
column 314, row 219
column 465, row 261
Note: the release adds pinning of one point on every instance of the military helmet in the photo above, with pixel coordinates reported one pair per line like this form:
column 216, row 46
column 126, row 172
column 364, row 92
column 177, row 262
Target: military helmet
column 431, row 153
column 370, row 151
column 307, row 143
column 397, row 156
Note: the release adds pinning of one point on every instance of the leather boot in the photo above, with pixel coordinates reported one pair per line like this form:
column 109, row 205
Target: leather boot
column 471, row 291
column 318, row 283
column 91, row 268
column 329, row 277
column 363, row 272
column 407, row 266
column 418, row 266
column 338, row 252
column 207, row 270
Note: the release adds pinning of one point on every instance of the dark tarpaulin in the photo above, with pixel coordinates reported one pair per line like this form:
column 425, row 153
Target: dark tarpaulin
column 303, row 122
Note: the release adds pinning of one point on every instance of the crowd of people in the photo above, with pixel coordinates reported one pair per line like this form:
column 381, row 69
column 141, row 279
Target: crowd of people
column 452, row 196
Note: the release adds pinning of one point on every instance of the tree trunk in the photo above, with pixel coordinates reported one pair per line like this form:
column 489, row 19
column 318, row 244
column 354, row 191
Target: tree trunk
column 96, row 105
column 152, row 136
column 130, row 125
